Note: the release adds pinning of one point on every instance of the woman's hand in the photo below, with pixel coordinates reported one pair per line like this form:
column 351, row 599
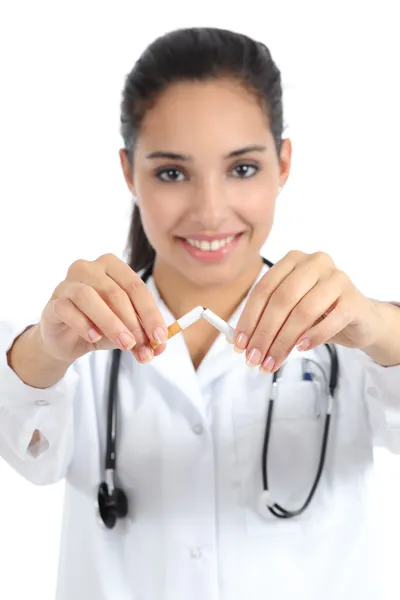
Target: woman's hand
column 303, row 301
column 101, row 305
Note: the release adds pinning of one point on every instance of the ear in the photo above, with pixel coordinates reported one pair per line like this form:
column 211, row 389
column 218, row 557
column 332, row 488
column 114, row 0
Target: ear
column 127, row 170
column 285, row 161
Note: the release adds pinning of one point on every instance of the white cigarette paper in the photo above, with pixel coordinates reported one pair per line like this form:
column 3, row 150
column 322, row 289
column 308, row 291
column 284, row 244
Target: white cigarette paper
column 219, row 324
column 191, row 317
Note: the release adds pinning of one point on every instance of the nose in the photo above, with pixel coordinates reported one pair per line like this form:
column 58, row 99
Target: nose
column 209, row 204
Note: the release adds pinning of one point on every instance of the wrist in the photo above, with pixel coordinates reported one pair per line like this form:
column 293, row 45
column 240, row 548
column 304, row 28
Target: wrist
column 28, row 358
column 385, row 348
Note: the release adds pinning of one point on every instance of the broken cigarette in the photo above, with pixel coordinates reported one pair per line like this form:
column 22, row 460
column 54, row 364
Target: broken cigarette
column 195, row 315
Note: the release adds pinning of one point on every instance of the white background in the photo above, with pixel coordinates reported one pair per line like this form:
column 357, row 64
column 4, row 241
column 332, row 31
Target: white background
column 62, row 195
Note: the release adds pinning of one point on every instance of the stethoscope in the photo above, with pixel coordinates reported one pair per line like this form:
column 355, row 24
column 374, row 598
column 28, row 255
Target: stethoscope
column 112, row 500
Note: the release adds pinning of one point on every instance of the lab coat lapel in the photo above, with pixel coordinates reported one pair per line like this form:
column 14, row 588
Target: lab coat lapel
column 220, row 359
column 221, row 356
column 174, row 365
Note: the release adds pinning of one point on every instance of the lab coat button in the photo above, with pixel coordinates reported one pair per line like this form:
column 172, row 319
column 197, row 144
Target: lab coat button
column 198, row 429
column 196, row 553
column 372, row 391
column 41, row 402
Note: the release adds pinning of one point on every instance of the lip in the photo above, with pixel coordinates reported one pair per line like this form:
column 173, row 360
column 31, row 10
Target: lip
column 209, row 238
column 212, row 256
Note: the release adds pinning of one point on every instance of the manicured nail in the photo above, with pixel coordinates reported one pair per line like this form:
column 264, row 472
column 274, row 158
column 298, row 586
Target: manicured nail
column 160, row 335
column 94, row 336
column 126, row 340
column 304, row 344
column 267, row 365
column 145, row 354
column 254, row 358
column 241, row 343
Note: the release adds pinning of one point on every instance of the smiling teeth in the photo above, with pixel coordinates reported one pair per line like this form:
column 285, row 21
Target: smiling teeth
column 210, row 246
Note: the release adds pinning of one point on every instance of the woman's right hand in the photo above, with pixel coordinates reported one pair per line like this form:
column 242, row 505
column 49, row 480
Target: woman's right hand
column 101, row 305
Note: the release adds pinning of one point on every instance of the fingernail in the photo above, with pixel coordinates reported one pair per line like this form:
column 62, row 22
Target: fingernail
column 145, row 354
column 254, row 358
column 126, row 340
column 267, row 365
column 94, row 336
column 304, row 344
column 241, row 343
column 160, row 335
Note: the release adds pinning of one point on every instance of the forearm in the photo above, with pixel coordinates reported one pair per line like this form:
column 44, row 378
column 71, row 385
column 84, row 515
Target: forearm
column 386, row 349
column 32, row 365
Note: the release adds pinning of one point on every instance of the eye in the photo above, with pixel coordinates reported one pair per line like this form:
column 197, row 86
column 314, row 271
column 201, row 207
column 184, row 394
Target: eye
column 245, row 170
column 170, row 175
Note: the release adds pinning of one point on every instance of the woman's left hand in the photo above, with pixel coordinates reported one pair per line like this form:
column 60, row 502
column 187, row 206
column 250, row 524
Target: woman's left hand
column 303, row 301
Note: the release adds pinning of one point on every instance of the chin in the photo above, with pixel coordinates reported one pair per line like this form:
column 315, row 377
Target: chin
column 211, row 275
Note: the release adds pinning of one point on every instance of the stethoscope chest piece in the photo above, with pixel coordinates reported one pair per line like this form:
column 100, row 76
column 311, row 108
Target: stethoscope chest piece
column 111, row 506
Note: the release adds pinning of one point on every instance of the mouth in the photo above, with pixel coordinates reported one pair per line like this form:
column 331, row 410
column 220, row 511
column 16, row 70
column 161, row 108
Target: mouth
column 210, row 249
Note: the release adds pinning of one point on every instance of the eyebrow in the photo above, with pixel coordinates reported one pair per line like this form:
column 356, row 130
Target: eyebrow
column 183, row 157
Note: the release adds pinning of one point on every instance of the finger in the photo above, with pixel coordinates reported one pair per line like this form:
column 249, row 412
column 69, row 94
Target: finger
column 280, row 305
column 260, row 296
column 326, row 329
column 70, row 314
column 316, row 303
column 159, row 349
column 112, row 292
column 145, row 353
column 140, row 297
column 88, row 301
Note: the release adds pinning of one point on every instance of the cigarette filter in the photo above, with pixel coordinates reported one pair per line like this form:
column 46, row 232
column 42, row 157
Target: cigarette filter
column 177, row 326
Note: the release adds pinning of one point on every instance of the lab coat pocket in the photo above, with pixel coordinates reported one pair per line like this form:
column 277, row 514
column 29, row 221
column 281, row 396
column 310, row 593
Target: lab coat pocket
column 293, row 456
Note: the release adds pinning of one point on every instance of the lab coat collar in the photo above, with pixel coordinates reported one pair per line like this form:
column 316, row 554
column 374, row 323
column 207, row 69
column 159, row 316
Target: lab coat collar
column 175, row 364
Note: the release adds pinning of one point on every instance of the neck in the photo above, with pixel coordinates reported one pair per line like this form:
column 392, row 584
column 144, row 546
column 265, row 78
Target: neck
column 181, row 294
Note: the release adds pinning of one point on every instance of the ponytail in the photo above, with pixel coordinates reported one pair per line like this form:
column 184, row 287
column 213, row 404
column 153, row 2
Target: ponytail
column 140, row 253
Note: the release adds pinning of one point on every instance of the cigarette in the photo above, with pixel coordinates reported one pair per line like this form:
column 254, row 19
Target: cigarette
column 177, row 326
column 219, row 324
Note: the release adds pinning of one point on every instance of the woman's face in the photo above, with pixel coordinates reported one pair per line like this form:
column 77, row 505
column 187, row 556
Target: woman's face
column 206, row 176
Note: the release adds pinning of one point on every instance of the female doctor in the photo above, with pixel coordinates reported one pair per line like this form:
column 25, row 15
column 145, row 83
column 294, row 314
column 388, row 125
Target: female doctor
column 204, row 157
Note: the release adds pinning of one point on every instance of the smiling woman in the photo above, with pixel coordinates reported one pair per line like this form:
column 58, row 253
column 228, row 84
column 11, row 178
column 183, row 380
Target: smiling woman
column 184, row 489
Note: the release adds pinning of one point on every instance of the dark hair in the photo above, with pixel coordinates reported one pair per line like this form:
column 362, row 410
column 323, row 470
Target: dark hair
column 195, row 54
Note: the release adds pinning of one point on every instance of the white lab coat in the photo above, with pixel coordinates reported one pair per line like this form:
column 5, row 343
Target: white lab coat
column 189, row 459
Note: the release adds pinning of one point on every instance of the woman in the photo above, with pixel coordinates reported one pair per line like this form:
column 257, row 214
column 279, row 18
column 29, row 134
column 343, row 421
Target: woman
column 205, row 160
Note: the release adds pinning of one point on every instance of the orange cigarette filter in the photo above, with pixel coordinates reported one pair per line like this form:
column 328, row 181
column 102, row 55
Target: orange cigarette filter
column 182, row 323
